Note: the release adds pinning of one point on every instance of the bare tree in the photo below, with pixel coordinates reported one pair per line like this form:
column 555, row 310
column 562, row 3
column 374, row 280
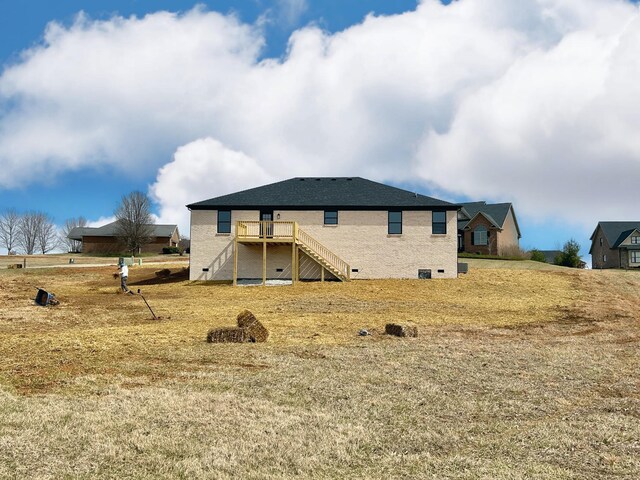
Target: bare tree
column 28, row 228
column 10, row 230
column 69, row 224
column 134, row 224
column 47, row 238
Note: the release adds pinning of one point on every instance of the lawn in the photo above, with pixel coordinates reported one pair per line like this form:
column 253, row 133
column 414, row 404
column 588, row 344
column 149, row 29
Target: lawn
column 517, row 372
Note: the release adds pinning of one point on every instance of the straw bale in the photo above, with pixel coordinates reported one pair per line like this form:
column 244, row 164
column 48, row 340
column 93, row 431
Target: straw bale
column 227, row 335
column 254, row 328
column 245, row 318
column 400, row 330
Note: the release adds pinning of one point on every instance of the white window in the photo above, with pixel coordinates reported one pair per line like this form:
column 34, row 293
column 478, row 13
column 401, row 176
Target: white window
column 604, row 258
column 480, row 236
column 600, row 241
column 635, row 256
column 635, row 239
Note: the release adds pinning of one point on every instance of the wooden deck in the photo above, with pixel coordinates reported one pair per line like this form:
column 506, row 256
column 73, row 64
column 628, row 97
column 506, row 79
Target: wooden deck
column 270, row 233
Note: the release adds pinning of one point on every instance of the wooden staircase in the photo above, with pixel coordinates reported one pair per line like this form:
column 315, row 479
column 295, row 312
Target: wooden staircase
column 280, row 233
column 323, row 256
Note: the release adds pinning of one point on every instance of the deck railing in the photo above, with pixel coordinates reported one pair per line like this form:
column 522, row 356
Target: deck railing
column 270, row 231
column 258, row 230
column 331, row 258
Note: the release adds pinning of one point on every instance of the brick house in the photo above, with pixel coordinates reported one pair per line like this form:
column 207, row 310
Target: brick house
column 322, row 228
column 487, row 228
column 615, row 245
column 104, row 239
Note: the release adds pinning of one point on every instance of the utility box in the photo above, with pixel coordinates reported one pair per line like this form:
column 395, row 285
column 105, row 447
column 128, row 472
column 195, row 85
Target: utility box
column 128, row 261
column 463, row 268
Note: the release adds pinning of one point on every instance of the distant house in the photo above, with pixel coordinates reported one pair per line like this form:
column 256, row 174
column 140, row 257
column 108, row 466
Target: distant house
column 316, row 228
column 615, row 245
column 105, row 240
column 550, row 255
column 487, row 228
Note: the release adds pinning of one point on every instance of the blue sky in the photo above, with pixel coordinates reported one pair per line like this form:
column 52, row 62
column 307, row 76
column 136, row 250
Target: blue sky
column 526, row 102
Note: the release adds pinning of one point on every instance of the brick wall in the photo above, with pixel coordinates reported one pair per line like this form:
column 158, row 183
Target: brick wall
column 598, row 251
column 111, row 245
column 491, row 248
column 360, row 238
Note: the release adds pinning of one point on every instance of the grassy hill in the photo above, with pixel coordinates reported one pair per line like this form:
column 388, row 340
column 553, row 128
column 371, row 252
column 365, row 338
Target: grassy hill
column 520, row 370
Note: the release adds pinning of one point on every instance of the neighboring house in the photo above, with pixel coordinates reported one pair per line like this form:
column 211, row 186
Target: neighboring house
column 487, row 228
column 317, row 228
column 105, row 240
column 615, row 245
column 550, row 255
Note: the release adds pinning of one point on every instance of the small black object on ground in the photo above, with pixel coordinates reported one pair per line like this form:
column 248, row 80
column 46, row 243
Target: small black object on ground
column 44, row 298
column 147, row 303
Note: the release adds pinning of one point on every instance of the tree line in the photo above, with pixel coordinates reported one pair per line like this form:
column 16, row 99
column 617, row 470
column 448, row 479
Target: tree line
column 35, row 232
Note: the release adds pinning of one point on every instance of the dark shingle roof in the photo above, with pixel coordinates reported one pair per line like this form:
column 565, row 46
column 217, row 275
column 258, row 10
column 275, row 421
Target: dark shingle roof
column 304, row 193
column 496, row 213
column 550, row 255
column 109, row 230
column 616, row 232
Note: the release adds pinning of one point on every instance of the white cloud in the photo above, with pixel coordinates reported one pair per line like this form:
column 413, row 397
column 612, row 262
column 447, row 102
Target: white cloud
column 200, row 170
column 292, row 10
column 532, row 102
column 101, row 221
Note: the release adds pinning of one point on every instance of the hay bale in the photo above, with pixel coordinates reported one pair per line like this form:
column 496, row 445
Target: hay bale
column 400, row 330
column 255, row 330
column 249, row 329
column 227, row 335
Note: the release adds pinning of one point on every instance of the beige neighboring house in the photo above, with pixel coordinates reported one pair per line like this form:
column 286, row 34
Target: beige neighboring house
column 487, row 228
column 615, row 245
column 323, row 228
column 105, row 240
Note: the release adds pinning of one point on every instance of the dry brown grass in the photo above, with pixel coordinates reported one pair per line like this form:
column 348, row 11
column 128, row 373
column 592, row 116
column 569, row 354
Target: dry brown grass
column 516, row 374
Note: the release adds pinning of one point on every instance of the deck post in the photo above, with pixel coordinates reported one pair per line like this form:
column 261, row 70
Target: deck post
column 235, row 258
column 264, row 256
column 295, row 273
column 293, row 262
column 321, row 273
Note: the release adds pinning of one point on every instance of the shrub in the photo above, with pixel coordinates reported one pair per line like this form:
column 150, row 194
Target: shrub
column 169, row 250
column 514, row 252
column 570, row 256
column 537, row 256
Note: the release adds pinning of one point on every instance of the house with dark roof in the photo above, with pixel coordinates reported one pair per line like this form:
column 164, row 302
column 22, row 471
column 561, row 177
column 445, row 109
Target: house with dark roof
column 323, row 228
column 550, row 255
column 104, row 239
column 615, row 245
column 487, row 228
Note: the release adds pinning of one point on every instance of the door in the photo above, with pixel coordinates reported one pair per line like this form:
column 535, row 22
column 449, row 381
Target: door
column 266, row 216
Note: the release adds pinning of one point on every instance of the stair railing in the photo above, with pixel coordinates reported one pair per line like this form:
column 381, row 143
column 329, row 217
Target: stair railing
column 331, row 258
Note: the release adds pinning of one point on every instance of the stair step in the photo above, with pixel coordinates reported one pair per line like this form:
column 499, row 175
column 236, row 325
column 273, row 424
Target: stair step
column 320, row 259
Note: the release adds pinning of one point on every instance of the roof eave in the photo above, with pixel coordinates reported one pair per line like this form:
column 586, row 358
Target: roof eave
column 447, row 207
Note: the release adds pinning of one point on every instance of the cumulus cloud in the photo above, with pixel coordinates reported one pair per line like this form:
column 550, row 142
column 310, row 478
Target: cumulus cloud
column 531, row 102
column 202, row 169
column 101, row 221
